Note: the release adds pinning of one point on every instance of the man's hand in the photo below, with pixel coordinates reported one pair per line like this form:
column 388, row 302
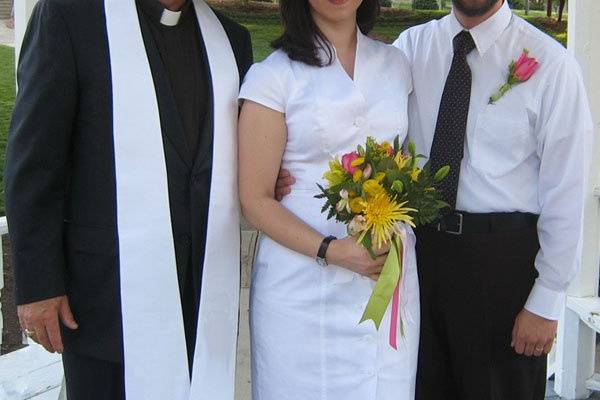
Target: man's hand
column 41, row 321
column 533, row 335
column 283, row 187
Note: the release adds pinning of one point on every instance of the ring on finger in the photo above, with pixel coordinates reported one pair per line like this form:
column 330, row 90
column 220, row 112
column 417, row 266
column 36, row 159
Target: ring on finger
column 30, row 334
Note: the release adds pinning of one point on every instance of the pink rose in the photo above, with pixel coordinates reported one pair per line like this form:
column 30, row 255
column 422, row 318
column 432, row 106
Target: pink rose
column 347, row 161
column 525, row 67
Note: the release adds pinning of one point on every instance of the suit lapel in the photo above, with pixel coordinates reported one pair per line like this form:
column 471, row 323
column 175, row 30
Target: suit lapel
column 205, row 148
column 172, row 126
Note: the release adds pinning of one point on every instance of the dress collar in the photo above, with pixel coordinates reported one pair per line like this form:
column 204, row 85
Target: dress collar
column 486, row 33
column 322, row 47
column 158, row 13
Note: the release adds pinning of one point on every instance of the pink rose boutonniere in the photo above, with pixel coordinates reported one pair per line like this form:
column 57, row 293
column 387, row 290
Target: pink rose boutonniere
column 519, row 71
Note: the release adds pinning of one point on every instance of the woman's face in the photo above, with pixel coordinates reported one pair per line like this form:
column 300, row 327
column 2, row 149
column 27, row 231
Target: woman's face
column 335, row 11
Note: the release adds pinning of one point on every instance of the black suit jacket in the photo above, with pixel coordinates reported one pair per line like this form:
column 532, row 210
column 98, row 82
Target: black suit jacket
column 60, row 177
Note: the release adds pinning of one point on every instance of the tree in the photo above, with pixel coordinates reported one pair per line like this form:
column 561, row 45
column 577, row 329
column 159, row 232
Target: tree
column 561, row 9
column 527, row 4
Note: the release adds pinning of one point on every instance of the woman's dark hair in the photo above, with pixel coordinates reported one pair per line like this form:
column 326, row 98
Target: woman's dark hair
column 302, row 39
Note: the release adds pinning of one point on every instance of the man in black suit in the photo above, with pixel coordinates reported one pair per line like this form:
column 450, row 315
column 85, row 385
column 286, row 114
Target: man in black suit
column 61, row 181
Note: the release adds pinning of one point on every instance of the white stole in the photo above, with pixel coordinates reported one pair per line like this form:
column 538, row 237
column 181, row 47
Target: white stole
column 155, row 354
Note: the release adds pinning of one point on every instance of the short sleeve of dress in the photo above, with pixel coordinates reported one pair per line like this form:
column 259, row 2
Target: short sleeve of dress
column 264, row 83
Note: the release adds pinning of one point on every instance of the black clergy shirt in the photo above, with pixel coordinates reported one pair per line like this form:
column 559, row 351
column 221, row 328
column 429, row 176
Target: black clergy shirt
column 181, row 53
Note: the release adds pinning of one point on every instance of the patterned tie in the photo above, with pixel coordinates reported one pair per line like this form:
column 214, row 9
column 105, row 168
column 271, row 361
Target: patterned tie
column 449, row 140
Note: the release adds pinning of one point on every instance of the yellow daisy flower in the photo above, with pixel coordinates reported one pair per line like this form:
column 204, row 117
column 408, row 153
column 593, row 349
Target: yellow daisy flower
column 357, row 205
column 382, row 214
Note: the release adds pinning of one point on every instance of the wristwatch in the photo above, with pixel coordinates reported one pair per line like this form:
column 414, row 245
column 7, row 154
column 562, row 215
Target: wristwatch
column 322, row 253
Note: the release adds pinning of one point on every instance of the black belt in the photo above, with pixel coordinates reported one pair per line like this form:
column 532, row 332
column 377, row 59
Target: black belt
column 459, row 223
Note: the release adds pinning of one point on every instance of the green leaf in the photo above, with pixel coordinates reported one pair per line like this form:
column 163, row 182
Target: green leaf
column 361, row 151
column 412, row 149
column 331, row 213
column 398, row 186
column 442, row 173
column 368, row 244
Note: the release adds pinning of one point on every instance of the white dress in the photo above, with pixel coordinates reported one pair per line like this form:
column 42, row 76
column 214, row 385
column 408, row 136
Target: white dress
column 306, row 340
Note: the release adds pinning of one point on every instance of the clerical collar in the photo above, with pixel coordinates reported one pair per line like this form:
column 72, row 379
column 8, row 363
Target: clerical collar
column 155, row 10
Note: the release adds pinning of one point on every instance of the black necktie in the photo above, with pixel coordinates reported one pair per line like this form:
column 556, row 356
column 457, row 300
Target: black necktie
column 449, row 140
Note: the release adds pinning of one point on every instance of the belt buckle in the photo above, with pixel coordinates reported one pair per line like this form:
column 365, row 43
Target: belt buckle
column 457, row 232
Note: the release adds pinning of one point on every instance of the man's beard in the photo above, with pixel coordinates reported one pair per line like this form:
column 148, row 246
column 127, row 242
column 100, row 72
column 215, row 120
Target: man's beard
column 474, row 8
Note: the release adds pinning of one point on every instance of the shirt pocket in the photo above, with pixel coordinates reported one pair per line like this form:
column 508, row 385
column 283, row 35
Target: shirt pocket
column 502, row 139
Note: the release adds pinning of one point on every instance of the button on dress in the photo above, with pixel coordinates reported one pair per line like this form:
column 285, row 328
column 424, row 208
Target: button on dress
column 307, row 343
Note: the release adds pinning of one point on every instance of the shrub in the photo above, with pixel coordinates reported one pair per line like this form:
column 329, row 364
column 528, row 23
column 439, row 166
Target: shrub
column 385, row 3
column 537, row 7
column 517, row 4
column 425, row 5
column 520, row 5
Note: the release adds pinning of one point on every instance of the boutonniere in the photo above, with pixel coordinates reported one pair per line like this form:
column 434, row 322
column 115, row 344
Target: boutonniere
column 518, row 72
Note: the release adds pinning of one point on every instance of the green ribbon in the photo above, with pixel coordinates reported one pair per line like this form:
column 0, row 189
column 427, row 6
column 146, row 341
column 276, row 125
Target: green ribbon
column 386, row 284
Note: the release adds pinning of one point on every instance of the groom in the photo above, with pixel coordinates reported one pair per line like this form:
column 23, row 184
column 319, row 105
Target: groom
column 121, row 194
column 495, row 270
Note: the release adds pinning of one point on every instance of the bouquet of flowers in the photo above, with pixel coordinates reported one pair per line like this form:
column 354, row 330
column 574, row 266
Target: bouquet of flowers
column 375, row 191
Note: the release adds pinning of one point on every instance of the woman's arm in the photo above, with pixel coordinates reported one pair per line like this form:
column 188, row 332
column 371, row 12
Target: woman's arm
column 262, row 140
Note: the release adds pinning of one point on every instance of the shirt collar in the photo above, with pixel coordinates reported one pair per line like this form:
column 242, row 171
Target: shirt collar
column 159, row 14
column 486, row 33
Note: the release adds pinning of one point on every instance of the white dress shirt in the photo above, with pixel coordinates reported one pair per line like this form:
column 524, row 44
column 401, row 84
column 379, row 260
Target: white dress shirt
column 528, row 152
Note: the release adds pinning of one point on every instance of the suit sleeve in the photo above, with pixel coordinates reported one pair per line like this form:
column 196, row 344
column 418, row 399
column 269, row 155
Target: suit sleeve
column 248, row 55
column 37, row 158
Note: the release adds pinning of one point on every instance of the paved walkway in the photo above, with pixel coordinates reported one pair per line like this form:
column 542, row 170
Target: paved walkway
column 7, row 35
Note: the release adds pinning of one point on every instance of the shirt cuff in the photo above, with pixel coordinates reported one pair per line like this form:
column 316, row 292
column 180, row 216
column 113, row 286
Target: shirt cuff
column 546, row 303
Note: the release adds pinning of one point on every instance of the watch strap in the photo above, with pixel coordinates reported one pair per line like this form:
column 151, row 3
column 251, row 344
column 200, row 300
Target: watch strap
column 322, row 253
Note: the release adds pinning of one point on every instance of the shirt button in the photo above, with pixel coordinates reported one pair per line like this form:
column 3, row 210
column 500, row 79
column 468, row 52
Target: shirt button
column 359, row 122
column 370, row 372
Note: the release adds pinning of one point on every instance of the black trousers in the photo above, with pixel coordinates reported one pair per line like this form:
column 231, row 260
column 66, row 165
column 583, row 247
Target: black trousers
column 92, row 379
column 472, row 288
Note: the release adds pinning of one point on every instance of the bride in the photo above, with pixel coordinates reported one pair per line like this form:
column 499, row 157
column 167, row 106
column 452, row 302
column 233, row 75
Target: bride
column 321, row 93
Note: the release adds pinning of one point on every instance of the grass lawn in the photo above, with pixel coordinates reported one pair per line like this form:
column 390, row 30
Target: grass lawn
column 7, row 100
column 264, row 25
